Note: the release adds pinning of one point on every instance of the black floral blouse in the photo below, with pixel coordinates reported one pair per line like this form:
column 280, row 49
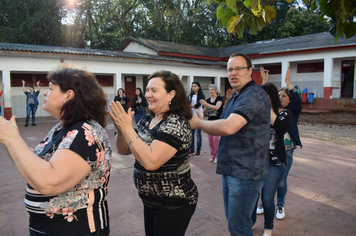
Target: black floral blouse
column 82, row 209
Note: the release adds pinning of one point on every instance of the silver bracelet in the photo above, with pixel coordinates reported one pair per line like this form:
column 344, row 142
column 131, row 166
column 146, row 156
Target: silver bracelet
column 133, row 140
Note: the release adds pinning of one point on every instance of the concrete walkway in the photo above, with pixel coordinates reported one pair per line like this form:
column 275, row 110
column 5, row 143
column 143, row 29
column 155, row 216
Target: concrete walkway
column 321, row 198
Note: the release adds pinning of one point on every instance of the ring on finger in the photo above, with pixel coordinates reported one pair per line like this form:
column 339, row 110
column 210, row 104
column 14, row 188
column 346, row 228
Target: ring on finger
column 116, row 115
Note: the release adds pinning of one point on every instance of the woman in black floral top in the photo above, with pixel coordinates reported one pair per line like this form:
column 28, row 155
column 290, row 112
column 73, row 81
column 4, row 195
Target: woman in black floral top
column 280, row 119
column 68, row 173
column 160, row 143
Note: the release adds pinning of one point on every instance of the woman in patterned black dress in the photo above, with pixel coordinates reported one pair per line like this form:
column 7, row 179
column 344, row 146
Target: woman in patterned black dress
column 68, row 172
column 160, row 143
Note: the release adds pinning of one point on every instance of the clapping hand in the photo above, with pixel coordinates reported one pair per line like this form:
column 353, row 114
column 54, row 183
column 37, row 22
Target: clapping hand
column 121, row 119
column 8, row 129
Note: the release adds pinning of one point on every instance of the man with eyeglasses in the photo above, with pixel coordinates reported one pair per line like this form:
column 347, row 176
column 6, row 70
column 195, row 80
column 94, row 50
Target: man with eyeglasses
column 244, row 144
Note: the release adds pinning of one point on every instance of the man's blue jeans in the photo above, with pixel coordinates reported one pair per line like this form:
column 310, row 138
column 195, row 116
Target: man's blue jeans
column 31, row 108
column 198, row 140
column 240, row 197
column 283, row 187
column 275, row 175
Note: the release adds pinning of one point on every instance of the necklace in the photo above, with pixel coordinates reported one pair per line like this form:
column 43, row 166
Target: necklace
column 155, row 121
column 212, row 99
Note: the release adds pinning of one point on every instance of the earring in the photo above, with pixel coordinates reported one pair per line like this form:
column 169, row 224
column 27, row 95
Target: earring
column 65, row 100
column 170, row 102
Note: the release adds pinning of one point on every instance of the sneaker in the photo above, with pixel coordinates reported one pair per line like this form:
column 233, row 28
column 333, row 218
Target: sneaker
column 211, row 159
column 191, row 152
column 215, row 160
column 280, row 213
column 26, row 125
column 259, row 209
column 197, row 154
column 33, row 124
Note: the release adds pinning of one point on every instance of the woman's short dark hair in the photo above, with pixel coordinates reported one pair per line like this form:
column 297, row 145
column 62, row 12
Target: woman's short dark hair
column 179, row 104
column 88, row 102
column 272, row 92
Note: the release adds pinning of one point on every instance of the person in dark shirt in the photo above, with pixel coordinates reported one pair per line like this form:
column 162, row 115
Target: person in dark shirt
column 139, row 104
column 122, row 98
column 280, row 119
column 160, row 143
column 290, row 100
column 196, row 94
column 244, row 127
column 214, row 107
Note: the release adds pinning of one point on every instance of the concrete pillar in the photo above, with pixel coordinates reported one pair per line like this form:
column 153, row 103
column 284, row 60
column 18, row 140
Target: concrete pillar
column 328, row 77
column 217, row 82
column 285, row 65
column 190, row 81
column 117, row 82
column 7, row 94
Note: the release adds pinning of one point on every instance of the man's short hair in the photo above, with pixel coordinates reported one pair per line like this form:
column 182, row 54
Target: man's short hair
column 247, row 59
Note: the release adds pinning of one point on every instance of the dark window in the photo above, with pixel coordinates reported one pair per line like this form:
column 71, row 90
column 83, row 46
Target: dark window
column 105, row 80
column 310, row 67
column 30, row 79
column 277, row 69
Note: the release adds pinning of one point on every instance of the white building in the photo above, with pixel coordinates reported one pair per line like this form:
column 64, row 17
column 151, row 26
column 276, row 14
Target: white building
column 318, row 63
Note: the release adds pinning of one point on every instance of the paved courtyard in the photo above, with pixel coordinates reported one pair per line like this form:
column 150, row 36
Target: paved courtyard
column 320, row 201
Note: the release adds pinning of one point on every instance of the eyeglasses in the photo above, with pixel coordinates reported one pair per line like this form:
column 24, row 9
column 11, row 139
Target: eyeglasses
column 237, row 69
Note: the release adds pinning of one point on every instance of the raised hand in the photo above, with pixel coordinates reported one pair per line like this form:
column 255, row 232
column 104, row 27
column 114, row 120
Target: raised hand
column 287, row 79
column 264, row 75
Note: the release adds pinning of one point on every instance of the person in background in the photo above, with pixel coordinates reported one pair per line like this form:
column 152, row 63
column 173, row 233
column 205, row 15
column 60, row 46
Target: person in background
column 122, row 98
column 290, row 100
column 298, row 91
column 160, row 143
column 67, row 174
column 1, row 92
column 139, row 104
column 196, row 94
column 244, row 127
column 31, row 102
column 280, row 119
column 214, row 107
column 107, row 98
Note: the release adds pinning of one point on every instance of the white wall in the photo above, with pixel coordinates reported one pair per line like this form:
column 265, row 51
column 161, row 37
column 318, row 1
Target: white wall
column 14, row 62
column 26, row 63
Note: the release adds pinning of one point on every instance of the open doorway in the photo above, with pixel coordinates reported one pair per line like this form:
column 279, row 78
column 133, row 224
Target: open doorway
column 347, row 79
column 130, row 87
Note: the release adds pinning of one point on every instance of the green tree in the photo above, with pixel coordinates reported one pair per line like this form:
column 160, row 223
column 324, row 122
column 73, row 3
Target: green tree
column 302, row 23
column 31, row 21
column 105, row 24
column 254, row 15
